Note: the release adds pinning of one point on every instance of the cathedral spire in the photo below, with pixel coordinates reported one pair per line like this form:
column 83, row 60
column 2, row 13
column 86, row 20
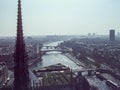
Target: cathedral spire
column 21, row 73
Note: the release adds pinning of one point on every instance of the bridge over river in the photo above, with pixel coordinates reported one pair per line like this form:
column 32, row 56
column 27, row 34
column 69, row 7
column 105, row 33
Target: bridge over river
column 54, row 56
column 54, row 48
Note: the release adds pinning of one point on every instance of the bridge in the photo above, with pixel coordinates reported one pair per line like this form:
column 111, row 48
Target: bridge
column 46, row 49
column 50, row 47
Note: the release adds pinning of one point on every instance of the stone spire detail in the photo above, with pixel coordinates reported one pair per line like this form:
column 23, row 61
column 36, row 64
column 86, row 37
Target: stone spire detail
column 21, row 73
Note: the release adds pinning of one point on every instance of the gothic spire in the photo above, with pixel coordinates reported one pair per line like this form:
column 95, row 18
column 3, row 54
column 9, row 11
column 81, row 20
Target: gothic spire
column 21, row 74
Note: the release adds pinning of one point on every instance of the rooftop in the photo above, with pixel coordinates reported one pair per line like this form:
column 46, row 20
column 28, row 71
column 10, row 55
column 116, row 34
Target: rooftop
column 2, row 65
column 53, row 75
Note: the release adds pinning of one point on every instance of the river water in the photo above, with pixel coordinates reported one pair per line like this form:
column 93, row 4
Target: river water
column 54, row 57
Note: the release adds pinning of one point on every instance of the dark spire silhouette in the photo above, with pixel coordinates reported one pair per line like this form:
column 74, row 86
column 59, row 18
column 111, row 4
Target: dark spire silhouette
column 21, row 74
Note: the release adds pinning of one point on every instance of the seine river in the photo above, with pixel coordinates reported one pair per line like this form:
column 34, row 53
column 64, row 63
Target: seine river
column 51, row 58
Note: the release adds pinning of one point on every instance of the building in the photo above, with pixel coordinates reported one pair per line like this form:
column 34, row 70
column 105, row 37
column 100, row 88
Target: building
column 21, row 73
column 3, row 73
column 118, row 34
column 89, row 34
column 112, row 35
column 59, row 77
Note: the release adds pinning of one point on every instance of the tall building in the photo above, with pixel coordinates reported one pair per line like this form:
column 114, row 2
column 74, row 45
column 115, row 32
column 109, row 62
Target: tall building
column 93, row 34
column 118, row 34
column 89, row 34
column 112, row 35
column 21, row 74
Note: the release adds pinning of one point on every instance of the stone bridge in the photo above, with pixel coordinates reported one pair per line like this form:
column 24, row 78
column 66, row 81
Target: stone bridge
column 53, row 48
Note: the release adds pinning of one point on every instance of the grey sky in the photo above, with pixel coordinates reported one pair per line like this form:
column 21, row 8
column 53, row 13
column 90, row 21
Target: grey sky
column 57, row 17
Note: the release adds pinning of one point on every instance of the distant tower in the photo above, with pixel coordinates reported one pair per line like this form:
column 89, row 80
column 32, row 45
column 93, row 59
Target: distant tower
column 89, row 34
column 112, row 35
column 21, row 74
column 118, row 34
column 37, row 47
column 93, row 34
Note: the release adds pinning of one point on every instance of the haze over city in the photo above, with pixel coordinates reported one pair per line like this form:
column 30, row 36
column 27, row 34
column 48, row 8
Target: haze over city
column 59, row 45
column 60, row 17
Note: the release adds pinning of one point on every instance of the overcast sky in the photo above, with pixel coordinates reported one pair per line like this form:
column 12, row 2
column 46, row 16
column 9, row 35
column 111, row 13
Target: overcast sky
column 60, row 17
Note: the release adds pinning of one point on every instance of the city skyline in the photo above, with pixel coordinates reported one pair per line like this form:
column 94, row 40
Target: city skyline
column 61, row 62
column 61, row 17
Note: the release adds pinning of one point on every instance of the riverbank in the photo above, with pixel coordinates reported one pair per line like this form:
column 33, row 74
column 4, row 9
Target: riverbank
column 35, row 61
column 75, row 60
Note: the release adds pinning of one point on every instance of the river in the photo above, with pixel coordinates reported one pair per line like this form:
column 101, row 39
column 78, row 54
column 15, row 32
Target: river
column 54, row 57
